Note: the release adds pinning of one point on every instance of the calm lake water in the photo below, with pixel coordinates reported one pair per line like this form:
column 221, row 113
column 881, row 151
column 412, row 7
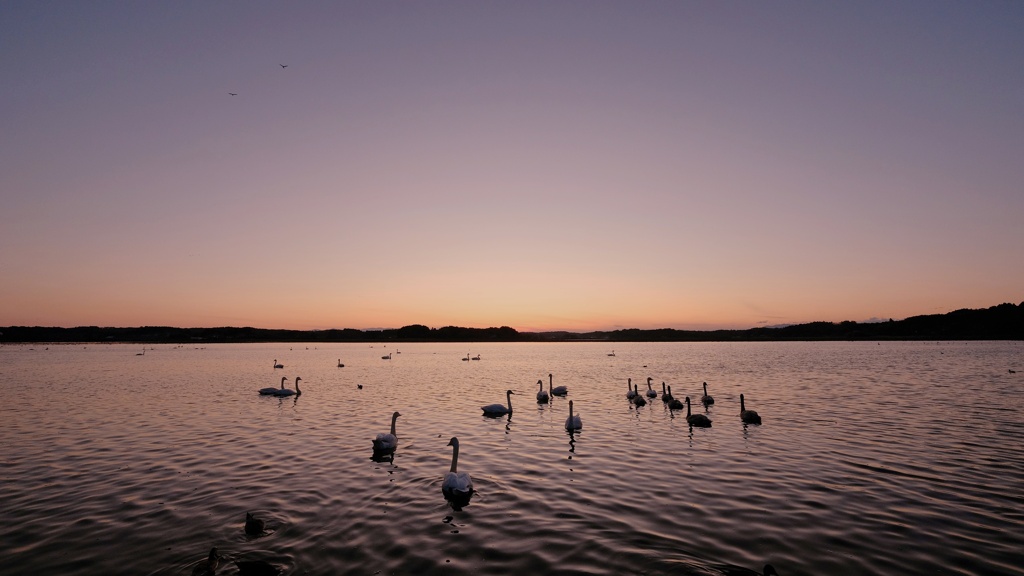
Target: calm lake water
column 890, row 458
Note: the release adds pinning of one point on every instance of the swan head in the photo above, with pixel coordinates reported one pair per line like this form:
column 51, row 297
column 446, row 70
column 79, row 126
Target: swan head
column 649, row 379
column 508, row 392
column 395, row 415
column 454, row 442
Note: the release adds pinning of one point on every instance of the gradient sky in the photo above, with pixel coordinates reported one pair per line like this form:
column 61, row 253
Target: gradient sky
column 541, row 165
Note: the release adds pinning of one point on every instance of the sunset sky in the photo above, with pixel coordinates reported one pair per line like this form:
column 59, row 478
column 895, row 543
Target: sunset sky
column 542, row 165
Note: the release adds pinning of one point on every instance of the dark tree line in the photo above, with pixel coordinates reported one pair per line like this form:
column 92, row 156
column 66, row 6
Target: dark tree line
column 1002, row 322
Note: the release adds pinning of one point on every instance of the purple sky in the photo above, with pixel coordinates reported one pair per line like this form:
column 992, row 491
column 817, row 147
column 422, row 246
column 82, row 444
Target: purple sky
column 544, row 165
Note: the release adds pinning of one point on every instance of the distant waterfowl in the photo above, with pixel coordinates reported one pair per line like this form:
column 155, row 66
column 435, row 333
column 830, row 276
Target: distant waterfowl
column 232, row 93
column 748, row 416
column 386, row 357
column 699, row 420
column 499, row 409
column 466, row 359
column 557, row 390
column 477, row 357
column 284, row 65
column 456, row 483
column 340, row 365
column 256, row 568
column 673, row 404
column 143, row 353
column 631, row 391
column 208, row 567
column 288, row 391
column 573, row 423
column 1012, row 371
column 650, row 391
column 276, row 365
column 272, row 390
column 612, row 353
column 542, row 396
column 665, row 396
column 253, row 525
column 705, row 399
column 387, row 442
column 637, row 399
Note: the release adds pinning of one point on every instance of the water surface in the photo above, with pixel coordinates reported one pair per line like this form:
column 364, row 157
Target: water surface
column 890, row 458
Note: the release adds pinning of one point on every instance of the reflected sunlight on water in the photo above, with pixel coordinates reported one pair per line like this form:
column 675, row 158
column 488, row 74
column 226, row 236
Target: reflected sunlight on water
column 891, row 458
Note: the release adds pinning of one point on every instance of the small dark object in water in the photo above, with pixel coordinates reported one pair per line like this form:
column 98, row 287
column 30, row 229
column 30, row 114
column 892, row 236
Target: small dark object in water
column 253, row 525
column 1012, row 371
column 360, row 386
column 256, row 568
column 208, row 567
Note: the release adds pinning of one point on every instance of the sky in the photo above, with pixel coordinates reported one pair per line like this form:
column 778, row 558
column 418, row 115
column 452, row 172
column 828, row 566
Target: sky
column 554, row 165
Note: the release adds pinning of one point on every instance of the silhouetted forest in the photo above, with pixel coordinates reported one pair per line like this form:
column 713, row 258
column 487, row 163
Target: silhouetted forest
column 1002, row 322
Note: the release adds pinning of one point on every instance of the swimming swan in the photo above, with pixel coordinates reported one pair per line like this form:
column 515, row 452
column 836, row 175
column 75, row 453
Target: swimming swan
column 542, row 396
column 387, row 442
column 340, row 365
column 276, row 365
column 270, row 391
column 698, row 420
column 499, row 409
column 665, row 397
column 456, row 483
column 674, row 403
column 288, row 391
column 631, row 391
column 748, row 416
column 705, row 399
column 253, row 525
column 650, row 391
column 573, row 423
column 637, row 398
column 557, row 390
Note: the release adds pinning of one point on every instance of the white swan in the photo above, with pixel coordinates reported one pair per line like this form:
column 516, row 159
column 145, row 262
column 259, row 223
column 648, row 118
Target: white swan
column 387, row 442
column 573, row 423
column 650, row 391
column 288, row 391
column 698, row 420
column 272, row 390
column 542, row 396
column 637, row 399
column 673, row 404
column 705, row 399
column 499, row 409
column 631, row 391
column 665, row 396
column 557, row 390
column 456, row 483
column 748, row 416
column 276, row 365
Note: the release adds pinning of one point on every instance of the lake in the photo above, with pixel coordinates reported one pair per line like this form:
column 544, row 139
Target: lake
column 872, row 458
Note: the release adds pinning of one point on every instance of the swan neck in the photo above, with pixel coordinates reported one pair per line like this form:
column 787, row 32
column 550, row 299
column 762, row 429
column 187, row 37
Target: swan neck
column 508, row 396
column 394, row 418
column 742, row 407
column 455, row 457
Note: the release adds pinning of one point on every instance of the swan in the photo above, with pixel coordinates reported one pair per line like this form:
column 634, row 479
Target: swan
column 665, row 397
column 456, row 483
column 557, row 390
column 271, row 390
column 542, row 396
column 650, row 391
column 573, row 423
column 637, row 398
column 699, row 420
column 143, row 353
column 288, row 391
column 499, row 409
column 612, row 353
column 388, row 357
column 748, row 416
column 631, row 391
column 340, row 365
column 387, row 442
column 276, row 365
column 253, row 525
column 208, row 567
column 466, row 359
column 673, row 404
column 705, row 399
column 477, row 357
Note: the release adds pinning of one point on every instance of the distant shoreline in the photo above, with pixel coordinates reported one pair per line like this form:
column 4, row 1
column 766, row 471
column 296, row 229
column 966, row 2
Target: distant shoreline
column 1002, row 322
